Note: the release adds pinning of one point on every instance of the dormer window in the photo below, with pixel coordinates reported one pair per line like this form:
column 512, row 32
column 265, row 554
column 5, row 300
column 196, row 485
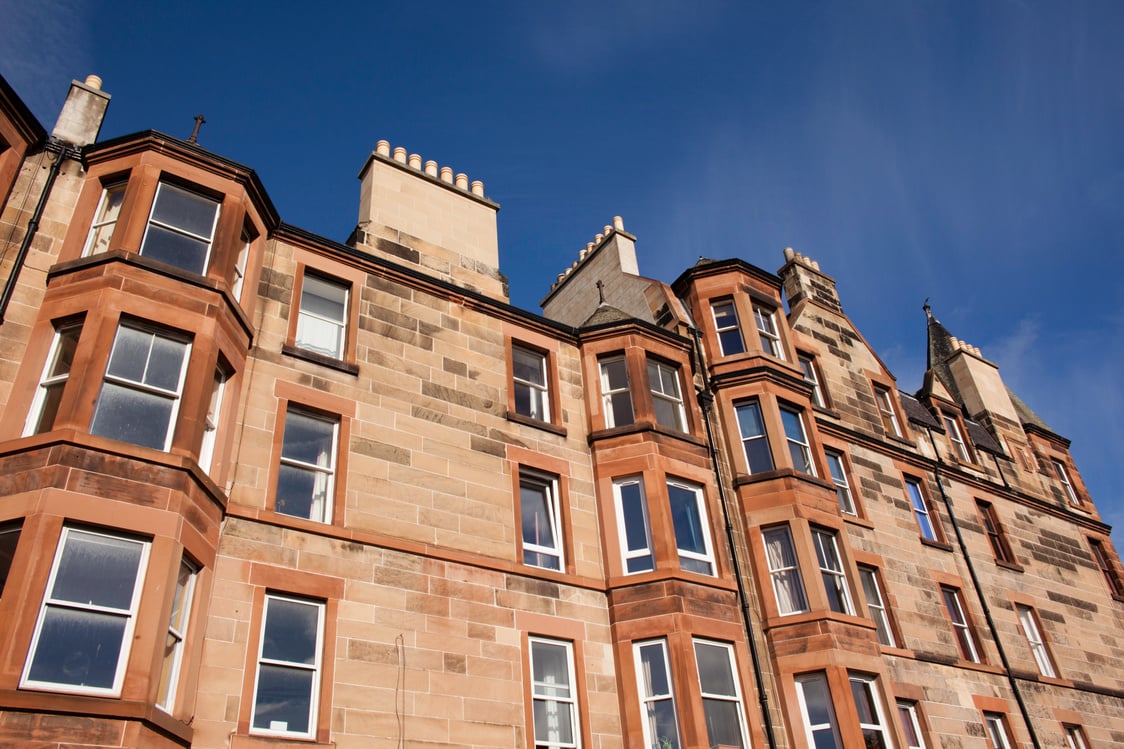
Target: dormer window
column 181, row 228
column 959, row 446
column 886, row 411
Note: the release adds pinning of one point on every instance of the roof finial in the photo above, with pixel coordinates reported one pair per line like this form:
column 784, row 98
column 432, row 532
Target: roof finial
column 601, row 291
column 927, row 308
column 195, row 133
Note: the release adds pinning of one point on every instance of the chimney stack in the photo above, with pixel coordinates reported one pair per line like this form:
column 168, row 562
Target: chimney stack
column 80, row 119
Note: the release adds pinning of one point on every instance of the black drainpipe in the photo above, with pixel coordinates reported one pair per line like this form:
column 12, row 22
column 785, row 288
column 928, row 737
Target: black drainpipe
column 706, row 400
column 62, row 151
column 982, row 599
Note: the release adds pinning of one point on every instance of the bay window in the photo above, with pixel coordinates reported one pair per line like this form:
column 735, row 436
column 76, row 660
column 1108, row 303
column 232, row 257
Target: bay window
column 784, row 570
column 721, row 694
column 140, row 396
column 657, row 698
column 692, row 532
column 181, row 228
column 85, row 626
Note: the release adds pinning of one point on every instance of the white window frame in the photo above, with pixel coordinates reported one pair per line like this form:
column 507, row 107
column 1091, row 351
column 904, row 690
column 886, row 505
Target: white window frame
column 546, row 693
column 723, row 330
column 961, row 629
column 106, row 204
column 608, row 393
column 47, row 381
column 837, row 468
column 1063, row 478
column 177, row 634
column 995, row 725
column 779, row 572
column 1028, row 620
column 797, row 440
column 869, row 685
column 811, row 729
column 698, row 502
column 959, row 446
column 315, row 667
column 240, row 263
column 876, row 605
column 122, row 382
column 734, row 698
column 812, row 377
column 648, row 699
column 1075, row 736
column 885, row 403
column 628, row 555
column 312, row 326
column 538, row 393
column 754, row 405
column 89, row 609
column 832, row 570
column 211, row 420
column 666, row 388
column 766, row 322
column 209, row 240
column 920, row 504
column 907, row 712
column 325, row 473
column 548, row 486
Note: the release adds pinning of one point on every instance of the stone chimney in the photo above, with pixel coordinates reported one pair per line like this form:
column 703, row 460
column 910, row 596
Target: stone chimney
column 412, row 212
column 605, row 273
column 82, row 114
column 804, row 281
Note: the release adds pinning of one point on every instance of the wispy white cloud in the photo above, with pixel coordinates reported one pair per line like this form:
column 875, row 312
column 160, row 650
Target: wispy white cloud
column 42, row 41
column 582, row 36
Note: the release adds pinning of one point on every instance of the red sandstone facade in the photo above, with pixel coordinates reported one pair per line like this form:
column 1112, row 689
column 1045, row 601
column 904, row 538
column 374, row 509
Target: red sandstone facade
column 263, row 489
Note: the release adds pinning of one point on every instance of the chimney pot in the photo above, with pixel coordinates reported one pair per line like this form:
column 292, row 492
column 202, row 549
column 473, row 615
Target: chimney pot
column 400, row 155
column 431, row 168
column 789, row 254
column 462, row 181
column 618, row 223
column 382, row 148
column 447, row 174
column 94, row 81
column 477, row 187
column 415, row 161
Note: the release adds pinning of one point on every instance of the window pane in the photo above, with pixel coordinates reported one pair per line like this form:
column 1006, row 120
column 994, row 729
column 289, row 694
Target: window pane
column 554, row 722
column 752, row 427
column 185, row 210
column 9, row 538
column 98, row 570
column 79, row 648
column 175, row 249
column 308, row 439
column 302, row 492
column 723, row 724
column 283, row 699
column 290, row 631
column 130, row 354
column 689, row 533
column 165, row 365
column 715, row 675
column 324, row 298
column 132, row 416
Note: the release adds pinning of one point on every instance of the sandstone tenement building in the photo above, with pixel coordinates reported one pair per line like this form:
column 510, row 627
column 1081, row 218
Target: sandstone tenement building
column 262, row 489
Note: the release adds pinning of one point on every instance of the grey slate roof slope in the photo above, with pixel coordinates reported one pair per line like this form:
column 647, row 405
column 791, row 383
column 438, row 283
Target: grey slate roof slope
column 916, row 411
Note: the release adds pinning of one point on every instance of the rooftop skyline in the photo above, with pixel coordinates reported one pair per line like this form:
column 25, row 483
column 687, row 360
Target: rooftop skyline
column 968, row 154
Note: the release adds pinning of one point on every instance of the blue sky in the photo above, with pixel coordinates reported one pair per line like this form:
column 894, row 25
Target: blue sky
column 965, row 152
